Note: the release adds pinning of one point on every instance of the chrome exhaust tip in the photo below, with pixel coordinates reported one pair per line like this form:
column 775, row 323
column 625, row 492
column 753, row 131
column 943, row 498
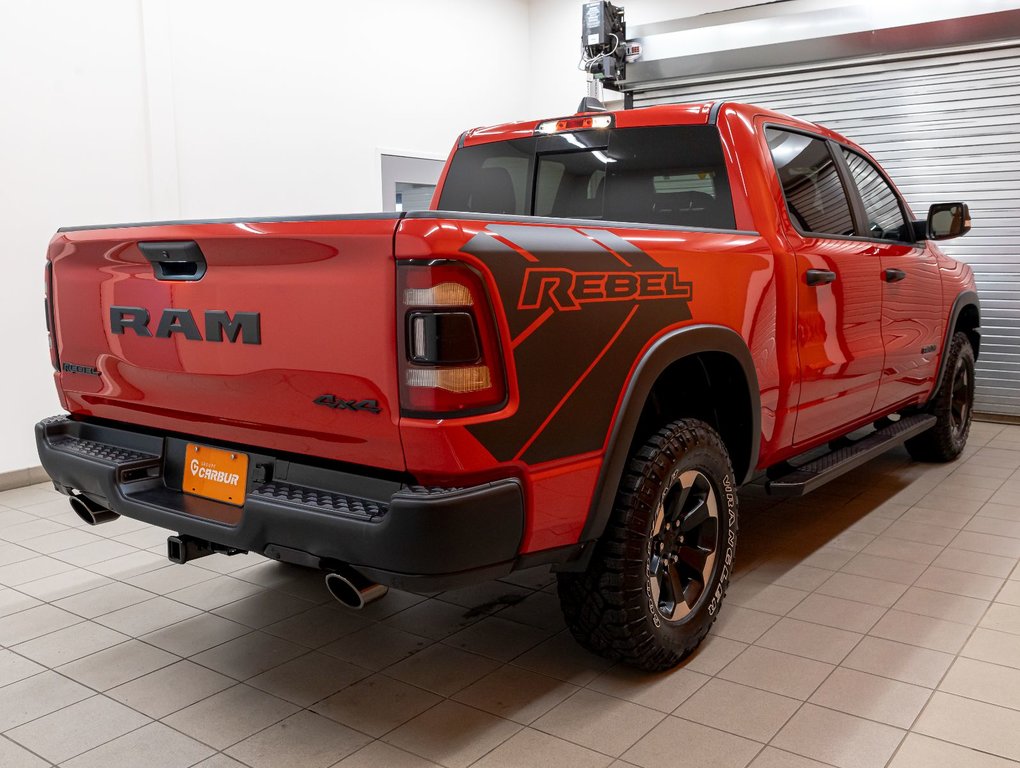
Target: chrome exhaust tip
column 90, row 512
column 353, row 590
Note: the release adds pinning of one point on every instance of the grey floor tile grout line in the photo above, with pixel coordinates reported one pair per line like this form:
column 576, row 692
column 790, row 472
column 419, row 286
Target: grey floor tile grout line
column 862, row 602
column 808, row 696
column 441, row 641
column 531, row 726
column 179, row 658
column 963, row 646
column 803, row 702
column 949, row 667
column 244, row 682
column 366, row 746
column 150, row 720
column 777, row 616
column 662, row 717
column 20, row 746
column 162, row 719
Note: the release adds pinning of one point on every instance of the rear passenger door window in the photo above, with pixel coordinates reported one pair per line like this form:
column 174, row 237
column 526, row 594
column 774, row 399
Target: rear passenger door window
column 815, row 197
column 885, row 219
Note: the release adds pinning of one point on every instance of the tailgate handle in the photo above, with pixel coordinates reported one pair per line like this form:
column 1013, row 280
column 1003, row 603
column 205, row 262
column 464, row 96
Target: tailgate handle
column 175, row 259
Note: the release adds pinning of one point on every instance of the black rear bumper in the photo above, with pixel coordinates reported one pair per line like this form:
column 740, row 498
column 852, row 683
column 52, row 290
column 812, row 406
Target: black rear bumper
column 397, row 534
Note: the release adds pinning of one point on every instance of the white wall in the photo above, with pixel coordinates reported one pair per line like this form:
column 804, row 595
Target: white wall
column 127, row 110
column 73, row 149
column 282, row 109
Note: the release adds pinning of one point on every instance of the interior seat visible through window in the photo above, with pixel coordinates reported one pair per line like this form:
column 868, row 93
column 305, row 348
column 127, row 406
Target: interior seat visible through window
column 688, row 209
column 494, row 193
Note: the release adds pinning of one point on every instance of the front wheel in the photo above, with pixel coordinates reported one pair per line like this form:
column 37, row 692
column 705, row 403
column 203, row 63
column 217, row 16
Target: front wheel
column 953, row 407
column 658, row 575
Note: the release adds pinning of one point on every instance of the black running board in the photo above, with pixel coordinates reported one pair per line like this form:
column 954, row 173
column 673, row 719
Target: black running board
column 817, row 472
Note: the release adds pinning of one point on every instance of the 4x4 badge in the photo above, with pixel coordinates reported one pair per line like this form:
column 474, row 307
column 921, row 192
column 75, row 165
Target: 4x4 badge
column 338, row 403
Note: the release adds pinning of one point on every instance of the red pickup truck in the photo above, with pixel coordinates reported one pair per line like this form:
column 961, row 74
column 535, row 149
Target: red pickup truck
column 607, row 324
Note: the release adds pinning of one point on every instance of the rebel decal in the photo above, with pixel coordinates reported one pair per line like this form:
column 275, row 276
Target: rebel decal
column 580, row 304
column 565, row 290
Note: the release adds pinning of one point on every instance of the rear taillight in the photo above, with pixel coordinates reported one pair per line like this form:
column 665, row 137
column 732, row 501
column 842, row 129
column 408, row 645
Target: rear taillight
column 450, row 361
column 51, row 326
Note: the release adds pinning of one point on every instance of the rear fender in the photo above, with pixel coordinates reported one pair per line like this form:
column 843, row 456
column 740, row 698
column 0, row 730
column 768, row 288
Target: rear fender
column 670, row 348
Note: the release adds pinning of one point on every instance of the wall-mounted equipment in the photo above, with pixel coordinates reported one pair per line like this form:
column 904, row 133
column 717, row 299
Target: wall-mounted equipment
column 603, row 42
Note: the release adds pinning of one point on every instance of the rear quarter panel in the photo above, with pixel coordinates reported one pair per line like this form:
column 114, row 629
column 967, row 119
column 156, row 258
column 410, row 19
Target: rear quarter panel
column 572, row 335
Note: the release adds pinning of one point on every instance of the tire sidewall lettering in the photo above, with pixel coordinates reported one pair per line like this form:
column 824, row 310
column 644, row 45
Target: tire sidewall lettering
column 729, row 494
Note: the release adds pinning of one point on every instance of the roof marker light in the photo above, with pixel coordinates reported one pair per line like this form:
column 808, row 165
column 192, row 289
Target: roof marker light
column 575, row 124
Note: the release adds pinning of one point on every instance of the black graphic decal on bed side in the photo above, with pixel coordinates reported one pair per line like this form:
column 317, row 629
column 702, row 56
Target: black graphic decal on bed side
column 580, row 304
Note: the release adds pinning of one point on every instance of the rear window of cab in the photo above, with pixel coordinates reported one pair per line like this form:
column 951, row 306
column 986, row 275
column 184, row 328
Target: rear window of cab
column 663, row 175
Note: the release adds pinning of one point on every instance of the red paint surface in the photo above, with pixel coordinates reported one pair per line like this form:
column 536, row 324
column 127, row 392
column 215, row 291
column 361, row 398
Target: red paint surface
column 828, row 359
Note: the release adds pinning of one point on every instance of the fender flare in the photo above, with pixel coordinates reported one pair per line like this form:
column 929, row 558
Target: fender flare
column 666, row 350
column 965, row 299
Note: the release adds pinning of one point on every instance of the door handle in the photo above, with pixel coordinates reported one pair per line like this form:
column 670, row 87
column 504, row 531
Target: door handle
column 820, row 277
column 894, row 275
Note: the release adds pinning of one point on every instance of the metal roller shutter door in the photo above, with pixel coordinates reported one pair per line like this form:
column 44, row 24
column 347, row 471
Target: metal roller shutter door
column 945, row 128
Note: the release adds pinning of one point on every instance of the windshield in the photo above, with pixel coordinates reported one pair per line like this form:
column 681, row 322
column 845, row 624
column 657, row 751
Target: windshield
column 672, row 175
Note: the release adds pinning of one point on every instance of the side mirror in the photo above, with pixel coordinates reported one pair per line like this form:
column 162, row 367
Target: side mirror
column 948, row 220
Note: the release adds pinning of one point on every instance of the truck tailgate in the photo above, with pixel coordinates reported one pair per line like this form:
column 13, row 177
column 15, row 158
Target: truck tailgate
column 285, row 342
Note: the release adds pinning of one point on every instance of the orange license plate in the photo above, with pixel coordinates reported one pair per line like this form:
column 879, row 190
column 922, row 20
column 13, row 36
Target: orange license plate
column 215, row 473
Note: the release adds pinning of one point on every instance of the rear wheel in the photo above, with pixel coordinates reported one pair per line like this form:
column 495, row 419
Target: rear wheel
column 953, row 406
column 658, row 575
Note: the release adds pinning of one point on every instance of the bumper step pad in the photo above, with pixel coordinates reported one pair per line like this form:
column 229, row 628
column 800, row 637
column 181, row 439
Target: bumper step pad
column 108, row 454
column 321, row 501
column 806, row 477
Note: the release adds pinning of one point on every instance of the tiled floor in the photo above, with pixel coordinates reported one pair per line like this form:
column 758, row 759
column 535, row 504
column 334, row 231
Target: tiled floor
column 875, row 622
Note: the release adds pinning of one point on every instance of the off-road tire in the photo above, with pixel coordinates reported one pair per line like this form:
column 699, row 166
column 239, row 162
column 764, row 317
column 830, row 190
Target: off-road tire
column 611, row 607
column 953, row 406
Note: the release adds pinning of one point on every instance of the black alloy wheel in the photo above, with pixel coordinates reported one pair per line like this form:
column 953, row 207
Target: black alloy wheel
column 682, row 547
